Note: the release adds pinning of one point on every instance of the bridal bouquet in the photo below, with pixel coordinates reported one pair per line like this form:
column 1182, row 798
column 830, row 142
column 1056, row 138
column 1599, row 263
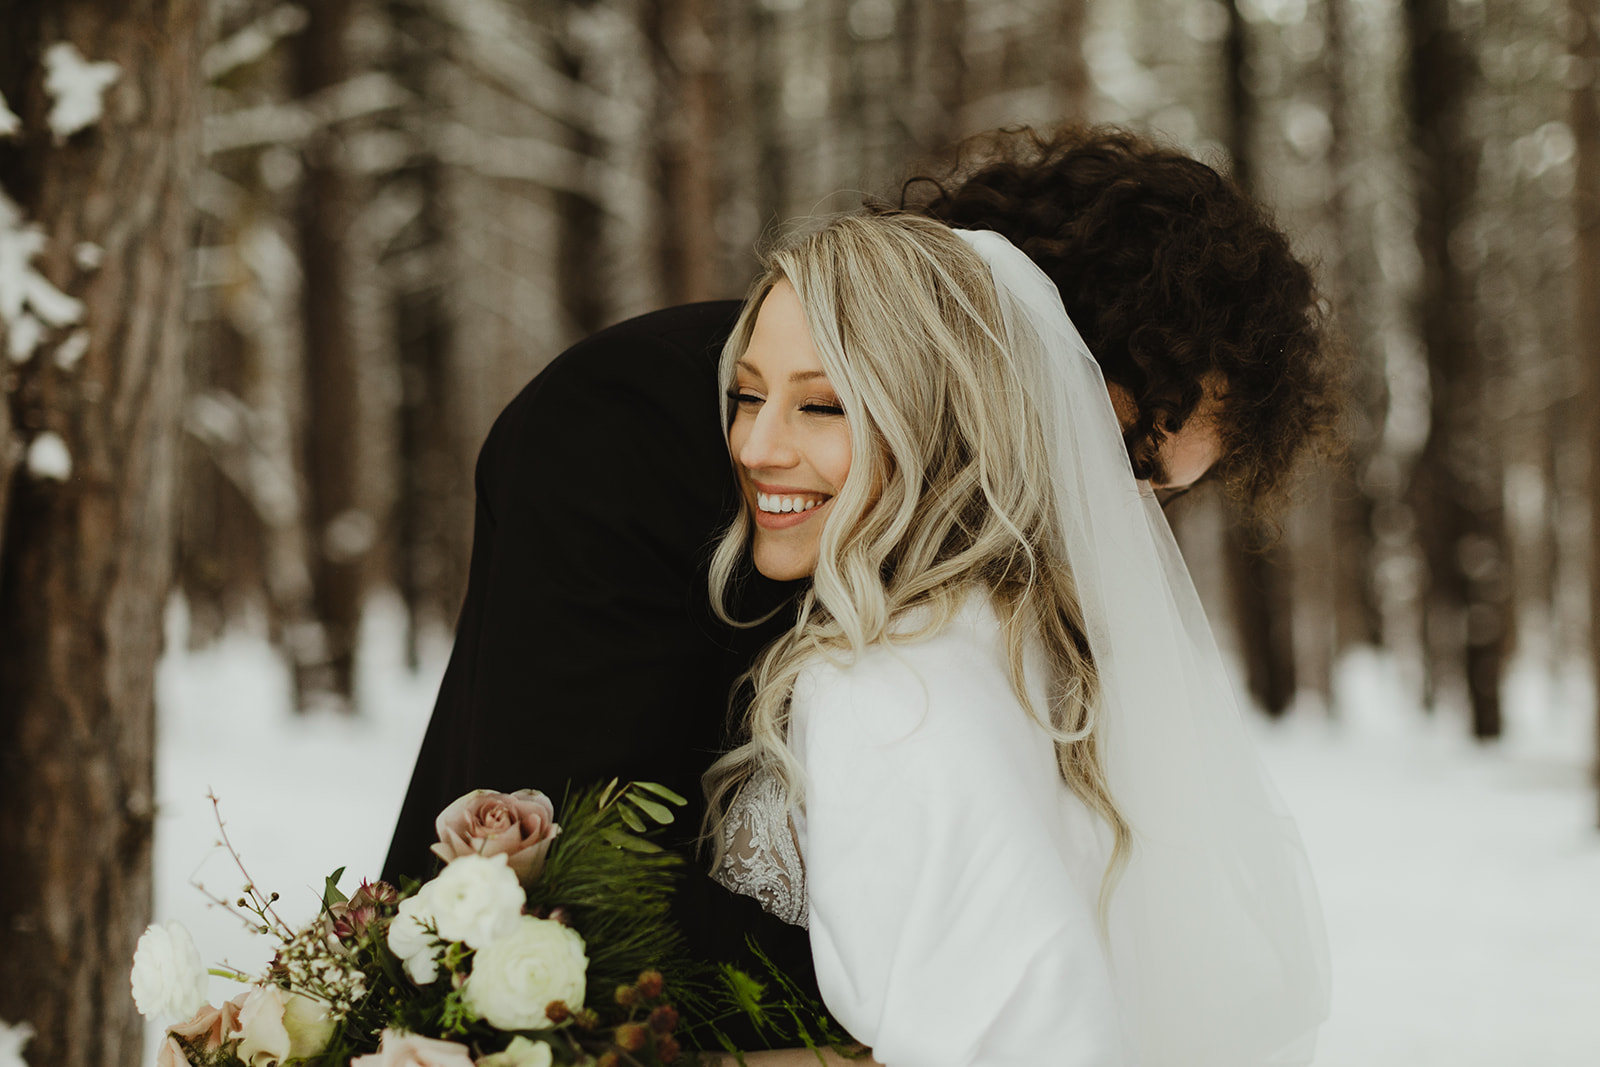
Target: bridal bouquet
column 537, row 944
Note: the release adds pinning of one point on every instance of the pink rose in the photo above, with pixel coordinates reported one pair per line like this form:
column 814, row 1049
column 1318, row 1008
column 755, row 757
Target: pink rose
column 171, row 1054
column 398, row 1049
column 521, row 825
column 210, row 1026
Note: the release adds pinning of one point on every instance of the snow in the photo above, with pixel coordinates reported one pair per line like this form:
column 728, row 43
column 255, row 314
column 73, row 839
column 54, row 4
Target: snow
column 72, row 350
column 1461, row 882
column 13, row 1039
column 86, row 255
column 48, row 457
column 28, row 302
column 9, row 125
column 76, row 86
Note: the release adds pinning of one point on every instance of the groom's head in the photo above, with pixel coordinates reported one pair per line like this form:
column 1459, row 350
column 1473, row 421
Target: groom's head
column 1187, row 293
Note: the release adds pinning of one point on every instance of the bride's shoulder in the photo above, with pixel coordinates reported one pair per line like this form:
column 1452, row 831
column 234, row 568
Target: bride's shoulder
column 929, row 659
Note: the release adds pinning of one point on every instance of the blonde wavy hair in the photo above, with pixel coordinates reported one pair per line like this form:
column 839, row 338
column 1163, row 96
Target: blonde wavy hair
column 948, row 492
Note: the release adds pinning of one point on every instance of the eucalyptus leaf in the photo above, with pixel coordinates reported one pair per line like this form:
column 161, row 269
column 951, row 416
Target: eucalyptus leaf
column 631, row 817
column 663, row 792
column 658, row 812
column 627, row 841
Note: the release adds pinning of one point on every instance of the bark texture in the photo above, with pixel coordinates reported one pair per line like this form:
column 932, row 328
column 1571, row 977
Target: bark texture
column 1456, row 486
column 1586, row 275
column 87, row 561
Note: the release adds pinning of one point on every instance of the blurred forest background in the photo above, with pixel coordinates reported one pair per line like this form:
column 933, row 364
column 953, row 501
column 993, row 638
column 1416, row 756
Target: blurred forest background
column 260, row 314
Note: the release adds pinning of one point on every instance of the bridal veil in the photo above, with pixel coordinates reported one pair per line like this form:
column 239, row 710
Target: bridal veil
column 1215, row 938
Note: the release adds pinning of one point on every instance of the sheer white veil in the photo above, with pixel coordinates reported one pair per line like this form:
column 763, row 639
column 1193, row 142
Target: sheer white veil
column 1215, row 934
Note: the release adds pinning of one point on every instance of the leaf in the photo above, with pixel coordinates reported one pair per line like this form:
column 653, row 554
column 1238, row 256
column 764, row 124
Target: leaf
column 628, row 841
column 330, row 890
column 658, row 812
column 746, row 993
column 605, row 794
column 663, row 792
column 631, row 817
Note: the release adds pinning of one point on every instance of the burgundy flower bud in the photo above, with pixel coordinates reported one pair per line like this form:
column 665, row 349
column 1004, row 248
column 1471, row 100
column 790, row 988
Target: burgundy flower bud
column 632, row 1036
column 586, row 1019
column 650, row 983
column 664, row 1019
column 378, row 894
column 608, row 1059
column 667, row 1049
column 557, row 1012
column 627, row 996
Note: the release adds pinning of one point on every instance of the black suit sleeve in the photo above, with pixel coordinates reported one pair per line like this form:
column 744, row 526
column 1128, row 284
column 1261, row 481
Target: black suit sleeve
column 585, row 649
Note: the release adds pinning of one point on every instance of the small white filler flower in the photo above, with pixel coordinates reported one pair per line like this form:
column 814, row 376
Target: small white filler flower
column 169, row 979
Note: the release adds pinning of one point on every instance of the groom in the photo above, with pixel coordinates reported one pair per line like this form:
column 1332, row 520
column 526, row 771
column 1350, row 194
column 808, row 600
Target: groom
column 586, row 649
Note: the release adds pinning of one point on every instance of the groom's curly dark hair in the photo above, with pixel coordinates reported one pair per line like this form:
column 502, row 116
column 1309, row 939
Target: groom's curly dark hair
column 1173, row 275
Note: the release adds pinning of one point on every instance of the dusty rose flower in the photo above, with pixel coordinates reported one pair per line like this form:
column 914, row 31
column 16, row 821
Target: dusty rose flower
column 211, row 1026
column 171, row 1054
column 399, row 1049
column 521, row 825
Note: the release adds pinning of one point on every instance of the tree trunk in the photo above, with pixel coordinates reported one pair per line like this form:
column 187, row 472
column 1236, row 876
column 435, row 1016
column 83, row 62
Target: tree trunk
column 688, row 150
column 1358, row 621
column 1457, row 481
column 340, row 531
column 1586, row 275
column 1257, row 564
column 88, row 561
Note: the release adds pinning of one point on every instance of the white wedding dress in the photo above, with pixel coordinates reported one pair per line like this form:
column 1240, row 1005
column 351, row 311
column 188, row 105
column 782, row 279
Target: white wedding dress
column 946, row 872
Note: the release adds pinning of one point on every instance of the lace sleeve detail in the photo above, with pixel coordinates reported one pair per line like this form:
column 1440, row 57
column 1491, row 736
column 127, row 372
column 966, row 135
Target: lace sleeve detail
column 762, row 858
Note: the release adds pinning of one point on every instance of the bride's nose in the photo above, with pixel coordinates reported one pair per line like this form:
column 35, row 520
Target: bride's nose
column 769, row 443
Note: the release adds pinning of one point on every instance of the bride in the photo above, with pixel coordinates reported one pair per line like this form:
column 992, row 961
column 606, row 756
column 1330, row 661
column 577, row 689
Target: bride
column 995, row 765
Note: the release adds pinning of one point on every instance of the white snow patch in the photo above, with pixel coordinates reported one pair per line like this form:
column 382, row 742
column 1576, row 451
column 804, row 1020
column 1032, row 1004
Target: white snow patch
column 72, row 350
column 76, row 86
column 9, row 125
column 48, row 457
column 23, row 337
column 1459, row 880
column 13, row 1039
column 87, row 255
column 26, row 297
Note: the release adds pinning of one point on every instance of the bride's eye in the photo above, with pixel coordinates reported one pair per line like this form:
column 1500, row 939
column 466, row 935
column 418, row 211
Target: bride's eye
column 742, row 398
column 819, row 408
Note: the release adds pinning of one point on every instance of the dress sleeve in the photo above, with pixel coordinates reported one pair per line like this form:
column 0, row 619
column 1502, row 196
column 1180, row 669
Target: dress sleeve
column 948, row 924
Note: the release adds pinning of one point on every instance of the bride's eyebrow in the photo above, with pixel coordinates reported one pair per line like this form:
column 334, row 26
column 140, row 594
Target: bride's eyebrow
column 797, row 376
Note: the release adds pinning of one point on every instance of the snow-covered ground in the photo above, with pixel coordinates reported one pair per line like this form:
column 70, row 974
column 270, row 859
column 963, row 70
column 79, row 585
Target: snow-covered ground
column 1461, row 882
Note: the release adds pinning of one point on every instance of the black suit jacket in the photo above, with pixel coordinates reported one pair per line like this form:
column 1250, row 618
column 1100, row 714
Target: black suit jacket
column 586, row 649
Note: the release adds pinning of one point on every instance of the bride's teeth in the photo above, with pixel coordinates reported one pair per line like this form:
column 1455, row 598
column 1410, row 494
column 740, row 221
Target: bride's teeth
column 783, row 505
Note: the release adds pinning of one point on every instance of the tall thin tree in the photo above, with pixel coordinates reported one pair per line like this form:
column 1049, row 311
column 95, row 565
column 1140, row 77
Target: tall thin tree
column 1456, row 485
column 90, row 520
column 1585, row 17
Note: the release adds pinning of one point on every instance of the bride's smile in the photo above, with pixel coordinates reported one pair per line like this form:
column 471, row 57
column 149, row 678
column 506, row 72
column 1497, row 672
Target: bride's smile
column 789, row 438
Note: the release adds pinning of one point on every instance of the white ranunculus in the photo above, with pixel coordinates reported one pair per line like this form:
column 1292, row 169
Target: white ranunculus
column 520, row 1053
column 169, row 979
column 411, row 942
column 516, row 976
column 475, row 899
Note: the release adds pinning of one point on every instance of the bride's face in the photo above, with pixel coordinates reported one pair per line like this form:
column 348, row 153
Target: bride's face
column 789, row 438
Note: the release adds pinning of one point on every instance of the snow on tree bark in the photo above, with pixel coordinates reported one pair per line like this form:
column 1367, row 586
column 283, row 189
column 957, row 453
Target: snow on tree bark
column 86, row 562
